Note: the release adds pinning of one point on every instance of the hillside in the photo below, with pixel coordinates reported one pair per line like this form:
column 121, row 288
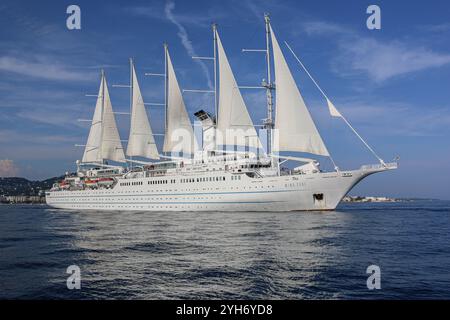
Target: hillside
column 16, row 186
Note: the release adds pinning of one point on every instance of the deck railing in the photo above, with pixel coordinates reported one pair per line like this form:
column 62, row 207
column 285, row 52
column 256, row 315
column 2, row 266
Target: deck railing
column 391, row 165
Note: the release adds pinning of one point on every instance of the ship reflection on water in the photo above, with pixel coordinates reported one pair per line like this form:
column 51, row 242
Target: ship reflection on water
column 204, row 255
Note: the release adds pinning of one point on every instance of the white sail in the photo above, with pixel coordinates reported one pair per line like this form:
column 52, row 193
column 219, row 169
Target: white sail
column 234, row 122
column 141, row 142
column 91, row 151
column 295, row 129
column 111, row 146
column 179, row 135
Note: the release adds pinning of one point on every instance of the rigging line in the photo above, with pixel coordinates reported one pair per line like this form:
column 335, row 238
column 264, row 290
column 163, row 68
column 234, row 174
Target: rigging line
column 323, row 93
column 326, row 97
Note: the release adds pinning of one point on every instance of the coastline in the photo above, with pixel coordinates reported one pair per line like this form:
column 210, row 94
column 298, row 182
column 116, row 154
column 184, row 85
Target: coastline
column 22, row 200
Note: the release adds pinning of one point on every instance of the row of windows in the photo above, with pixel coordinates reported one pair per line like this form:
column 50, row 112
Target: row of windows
column 160, row 181
column 135, row 183
column 254, row 166
column 204, row 179
column 81, row 194
column 146, row 207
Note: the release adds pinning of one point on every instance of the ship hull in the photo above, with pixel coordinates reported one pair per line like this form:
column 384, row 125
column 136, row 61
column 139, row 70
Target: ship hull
column 220, row 192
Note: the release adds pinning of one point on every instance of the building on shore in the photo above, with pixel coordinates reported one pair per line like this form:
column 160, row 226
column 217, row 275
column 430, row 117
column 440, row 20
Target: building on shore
column 368, row 199
column 22, row 199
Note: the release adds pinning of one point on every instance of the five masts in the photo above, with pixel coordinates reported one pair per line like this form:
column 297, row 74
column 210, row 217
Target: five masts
column 292, row 130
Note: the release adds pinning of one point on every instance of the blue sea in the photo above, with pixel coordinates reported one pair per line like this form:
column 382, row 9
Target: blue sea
column 217, row 255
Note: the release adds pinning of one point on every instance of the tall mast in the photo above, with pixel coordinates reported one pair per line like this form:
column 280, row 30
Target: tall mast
column 268, row 123
column 214, row 28
column 166, row 93
column 103, row 114
column 216, row 108
column 131, row 100
column 131, row 85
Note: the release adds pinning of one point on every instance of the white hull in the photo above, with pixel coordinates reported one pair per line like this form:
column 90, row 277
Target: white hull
column 277, row 193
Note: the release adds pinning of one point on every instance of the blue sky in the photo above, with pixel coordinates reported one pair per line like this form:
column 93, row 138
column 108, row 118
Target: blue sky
column 391, row 84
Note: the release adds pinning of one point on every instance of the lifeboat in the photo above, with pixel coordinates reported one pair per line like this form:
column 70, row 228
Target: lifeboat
column 91, row 182
column 64, row 185
column 105, row 181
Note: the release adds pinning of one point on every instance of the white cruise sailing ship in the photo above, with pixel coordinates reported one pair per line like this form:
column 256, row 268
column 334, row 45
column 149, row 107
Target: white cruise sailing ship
column 227, row 169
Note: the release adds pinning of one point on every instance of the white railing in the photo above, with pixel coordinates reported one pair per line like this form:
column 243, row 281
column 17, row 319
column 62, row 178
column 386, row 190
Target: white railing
column 391, row 165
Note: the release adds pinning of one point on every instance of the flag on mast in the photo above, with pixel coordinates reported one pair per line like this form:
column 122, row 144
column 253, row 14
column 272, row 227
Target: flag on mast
column 333, row 111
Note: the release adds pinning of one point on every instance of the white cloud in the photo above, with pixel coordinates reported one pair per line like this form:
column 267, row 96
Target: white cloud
column 184, row 37
column 57, row 118
column 155, row 11
column 384, row 60
column 16, row 137
column 442, row 27
column 322, row 27
column 42, row 69
column 396, row 119
column 380, row 60
column 8, row 168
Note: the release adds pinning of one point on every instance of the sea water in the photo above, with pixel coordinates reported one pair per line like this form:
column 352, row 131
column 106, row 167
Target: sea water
column 223, row 255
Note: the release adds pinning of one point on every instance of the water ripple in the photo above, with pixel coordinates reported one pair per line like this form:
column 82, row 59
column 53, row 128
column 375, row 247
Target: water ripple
column 218, row 255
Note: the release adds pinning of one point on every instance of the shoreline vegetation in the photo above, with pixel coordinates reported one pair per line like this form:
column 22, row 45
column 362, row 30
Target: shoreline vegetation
column 16, row 190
